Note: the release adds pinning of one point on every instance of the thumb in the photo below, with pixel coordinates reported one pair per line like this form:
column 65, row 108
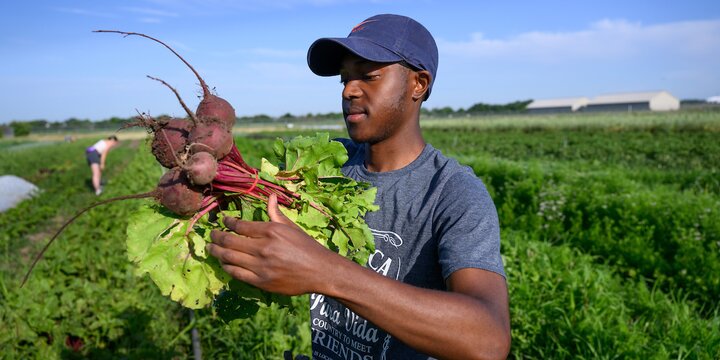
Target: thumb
column 274, row 212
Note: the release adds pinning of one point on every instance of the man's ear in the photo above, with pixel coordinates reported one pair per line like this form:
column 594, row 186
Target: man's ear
column 422, row 82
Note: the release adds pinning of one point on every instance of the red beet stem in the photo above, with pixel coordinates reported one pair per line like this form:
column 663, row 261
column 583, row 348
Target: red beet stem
column 187, row 109
column 200, row 214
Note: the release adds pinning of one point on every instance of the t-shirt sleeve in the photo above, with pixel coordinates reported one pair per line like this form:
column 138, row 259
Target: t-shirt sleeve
column 467, row 225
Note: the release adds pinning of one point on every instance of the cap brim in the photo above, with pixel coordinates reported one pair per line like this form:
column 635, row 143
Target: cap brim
column 326, row 54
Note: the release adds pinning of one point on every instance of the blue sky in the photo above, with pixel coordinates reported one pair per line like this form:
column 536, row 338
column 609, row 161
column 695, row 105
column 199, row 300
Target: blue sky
column 254, row 52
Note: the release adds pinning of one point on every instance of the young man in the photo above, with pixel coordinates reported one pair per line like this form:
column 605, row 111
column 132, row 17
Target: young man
column 435, row 286
column 96, row 155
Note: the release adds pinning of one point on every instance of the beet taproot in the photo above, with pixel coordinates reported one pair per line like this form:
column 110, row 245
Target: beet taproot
column 170, row 141
column 211, row 136
column 215, row 107
column 201, row 168
column 177, row 194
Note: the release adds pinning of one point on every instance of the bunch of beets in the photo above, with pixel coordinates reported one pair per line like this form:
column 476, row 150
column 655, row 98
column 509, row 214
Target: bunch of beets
column 200, row 152
column 205, row 167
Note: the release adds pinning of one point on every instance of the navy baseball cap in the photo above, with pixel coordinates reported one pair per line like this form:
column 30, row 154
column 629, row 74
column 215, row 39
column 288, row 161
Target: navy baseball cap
column 384, row 38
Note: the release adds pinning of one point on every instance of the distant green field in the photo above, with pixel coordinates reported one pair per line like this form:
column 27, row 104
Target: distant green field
column 610, row 237
column 701, row 118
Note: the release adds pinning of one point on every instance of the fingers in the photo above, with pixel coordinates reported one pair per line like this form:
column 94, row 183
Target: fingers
column 235, row 263
column 277, row 216
column 253, row 229
column 232, row 252
column 258, row 229
column 274, row 211
column 229, row 240
column 229, row 255
column 241, row 274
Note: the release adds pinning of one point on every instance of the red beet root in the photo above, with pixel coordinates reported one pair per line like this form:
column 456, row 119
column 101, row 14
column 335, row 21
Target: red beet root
column 201, row 168
column 176, row 193
column 211, row 136
column 213, row 107
column 170, row 141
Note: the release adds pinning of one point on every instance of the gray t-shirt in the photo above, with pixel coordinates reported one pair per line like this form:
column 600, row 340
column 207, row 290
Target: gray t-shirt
column 435, row 217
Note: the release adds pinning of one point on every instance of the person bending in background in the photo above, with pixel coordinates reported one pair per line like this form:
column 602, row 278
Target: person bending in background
column 96, row 155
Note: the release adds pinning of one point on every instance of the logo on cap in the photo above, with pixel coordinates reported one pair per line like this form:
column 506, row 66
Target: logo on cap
column 361, row 25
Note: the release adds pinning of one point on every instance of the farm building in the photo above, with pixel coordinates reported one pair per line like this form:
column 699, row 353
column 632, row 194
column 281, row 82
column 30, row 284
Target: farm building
column 639, row 101
column 556, row 105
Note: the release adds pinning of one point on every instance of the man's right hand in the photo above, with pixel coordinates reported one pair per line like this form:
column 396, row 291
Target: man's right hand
column 276, row 256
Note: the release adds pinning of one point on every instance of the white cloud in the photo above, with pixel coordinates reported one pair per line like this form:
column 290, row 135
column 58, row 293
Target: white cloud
column 86, row 12
column 179, row 46
column 150, row 15
column 149, row 11
column 605, row 39
column 150, row 20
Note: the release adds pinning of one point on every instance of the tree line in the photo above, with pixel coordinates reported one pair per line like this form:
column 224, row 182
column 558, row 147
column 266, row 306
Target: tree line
column 24, row 128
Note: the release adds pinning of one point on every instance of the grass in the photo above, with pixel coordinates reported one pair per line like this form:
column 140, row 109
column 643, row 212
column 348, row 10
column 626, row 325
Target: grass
column 704, row 119
column 610, row 237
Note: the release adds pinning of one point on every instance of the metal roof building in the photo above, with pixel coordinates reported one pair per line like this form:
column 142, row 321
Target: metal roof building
column 653, row 101
column 556, row 105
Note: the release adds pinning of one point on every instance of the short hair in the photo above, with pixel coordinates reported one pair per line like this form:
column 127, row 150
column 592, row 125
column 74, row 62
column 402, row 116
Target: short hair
column 113, row 137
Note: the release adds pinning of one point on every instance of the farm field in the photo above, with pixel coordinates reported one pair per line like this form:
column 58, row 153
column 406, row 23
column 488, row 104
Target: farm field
column 610, row 237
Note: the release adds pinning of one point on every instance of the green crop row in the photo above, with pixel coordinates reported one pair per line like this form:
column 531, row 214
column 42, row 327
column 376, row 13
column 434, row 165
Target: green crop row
column 685, row 160
column 610, row 244
column 676, row 121
column 565, row 306
column 83, row 291
column 63, row 178
column 669, row 237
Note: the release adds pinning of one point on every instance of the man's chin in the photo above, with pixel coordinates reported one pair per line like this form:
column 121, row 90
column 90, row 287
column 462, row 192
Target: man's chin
column 357, row 138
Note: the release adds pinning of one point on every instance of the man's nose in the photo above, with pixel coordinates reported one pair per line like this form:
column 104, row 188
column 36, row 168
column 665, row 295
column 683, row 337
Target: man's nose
column 351, row 90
